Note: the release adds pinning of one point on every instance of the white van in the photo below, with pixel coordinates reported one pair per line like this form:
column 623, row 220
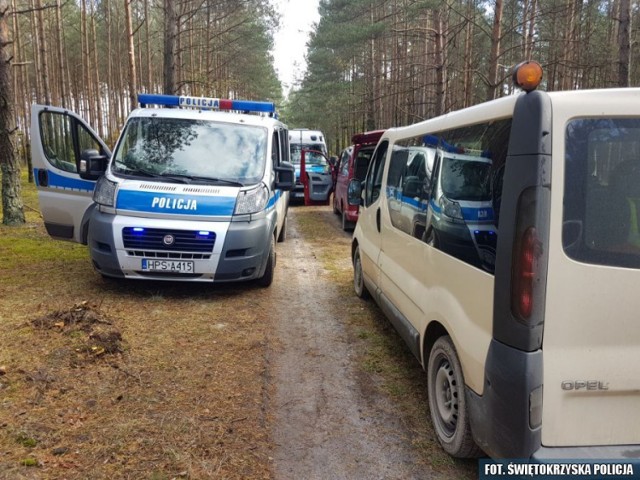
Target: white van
column 536, row 354
column 196, row 192
column 316, row 164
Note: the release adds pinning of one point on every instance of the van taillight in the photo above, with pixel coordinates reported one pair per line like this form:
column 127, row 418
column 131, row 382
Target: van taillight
column 524, row 273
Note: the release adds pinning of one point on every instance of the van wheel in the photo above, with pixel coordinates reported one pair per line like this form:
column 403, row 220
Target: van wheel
column 283, row 232
column 447, row 401
column 358, row 277
column 347, row 226
column 267, row 279
column 432, row 239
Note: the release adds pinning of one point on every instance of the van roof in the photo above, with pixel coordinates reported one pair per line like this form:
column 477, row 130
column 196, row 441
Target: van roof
column 209, row 115
column 371, row 136
column 304, row 135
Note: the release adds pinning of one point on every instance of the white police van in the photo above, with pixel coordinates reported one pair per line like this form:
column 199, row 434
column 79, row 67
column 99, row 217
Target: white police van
column 191, row 192
column 317, row 166
column 533, row 355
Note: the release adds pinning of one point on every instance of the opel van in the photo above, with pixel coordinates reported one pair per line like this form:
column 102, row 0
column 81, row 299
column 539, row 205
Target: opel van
column 532, row 354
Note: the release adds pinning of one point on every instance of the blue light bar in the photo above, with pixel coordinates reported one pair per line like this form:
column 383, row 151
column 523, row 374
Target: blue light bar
column 205, row 102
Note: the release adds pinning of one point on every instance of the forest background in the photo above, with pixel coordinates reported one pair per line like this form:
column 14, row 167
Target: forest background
column 371, row 64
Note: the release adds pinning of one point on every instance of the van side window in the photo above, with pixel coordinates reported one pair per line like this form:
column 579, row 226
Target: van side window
column 344, row 163
column 284, row 146
column 601, row 214
column 444, row 189
column 407, row 183
column 60, row 133
column 373, row 183
column 275, row 149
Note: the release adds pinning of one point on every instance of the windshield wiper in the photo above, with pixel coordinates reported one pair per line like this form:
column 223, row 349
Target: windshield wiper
column 204, row 179
column 146, row 173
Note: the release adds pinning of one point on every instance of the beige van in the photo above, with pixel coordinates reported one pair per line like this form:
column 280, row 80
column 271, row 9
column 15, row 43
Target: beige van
column 510, row 266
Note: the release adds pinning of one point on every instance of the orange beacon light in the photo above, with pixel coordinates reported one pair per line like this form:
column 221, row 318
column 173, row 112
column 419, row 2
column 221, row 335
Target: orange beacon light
column 527, row 75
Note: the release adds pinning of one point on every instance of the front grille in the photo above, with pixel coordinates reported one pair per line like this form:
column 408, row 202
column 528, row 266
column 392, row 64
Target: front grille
column 170, row 255
column 138, row 239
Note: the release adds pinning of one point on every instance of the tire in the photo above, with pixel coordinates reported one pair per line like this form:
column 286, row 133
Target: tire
column 432, row 239
column 267, row 279
column 347, row 226
column 283, row 231
column 447, row 401
column 358, row 277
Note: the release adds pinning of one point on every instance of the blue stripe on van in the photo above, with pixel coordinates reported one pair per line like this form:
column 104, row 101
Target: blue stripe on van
column 484, row 214
column 56, row 180
column 175, row 204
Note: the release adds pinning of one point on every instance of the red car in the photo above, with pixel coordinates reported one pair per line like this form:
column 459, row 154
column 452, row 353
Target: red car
column 353, row 163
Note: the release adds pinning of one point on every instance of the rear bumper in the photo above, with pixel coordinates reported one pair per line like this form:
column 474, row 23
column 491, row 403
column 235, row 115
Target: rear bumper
column 622, row 453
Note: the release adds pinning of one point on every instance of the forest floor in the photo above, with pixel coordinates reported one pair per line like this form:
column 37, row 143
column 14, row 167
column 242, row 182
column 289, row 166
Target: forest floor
column 154, row 380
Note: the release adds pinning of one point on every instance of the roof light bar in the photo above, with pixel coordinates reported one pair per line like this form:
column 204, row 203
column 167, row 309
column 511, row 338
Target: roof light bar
column 145, row 99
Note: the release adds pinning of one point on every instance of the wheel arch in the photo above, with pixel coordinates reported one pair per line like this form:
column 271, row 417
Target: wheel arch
column 432, row 333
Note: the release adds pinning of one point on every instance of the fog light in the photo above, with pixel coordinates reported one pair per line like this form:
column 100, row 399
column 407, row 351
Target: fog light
column 248, row 271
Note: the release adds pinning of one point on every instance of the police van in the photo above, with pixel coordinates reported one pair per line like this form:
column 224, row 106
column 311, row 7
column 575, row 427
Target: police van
column 317, row 166
column 195, row 190
column 536, row 354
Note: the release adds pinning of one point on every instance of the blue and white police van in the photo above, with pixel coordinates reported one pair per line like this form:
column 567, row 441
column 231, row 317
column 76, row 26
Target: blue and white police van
column 196, row 190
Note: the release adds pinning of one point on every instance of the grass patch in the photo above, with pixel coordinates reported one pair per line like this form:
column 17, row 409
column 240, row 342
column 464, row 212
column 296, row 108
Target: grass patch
column 124, row 379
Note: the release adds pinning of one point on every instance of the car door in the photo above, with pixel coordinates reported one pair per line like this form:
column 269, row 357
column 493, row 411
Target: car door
column 58, row 139
column 370, row 216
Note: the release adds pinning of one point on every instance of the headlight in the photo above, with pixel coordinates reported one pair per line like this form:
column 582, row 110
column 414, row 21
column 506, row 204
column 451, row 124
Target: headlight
column 451, row 209
column 252, row 201
column 105, row 192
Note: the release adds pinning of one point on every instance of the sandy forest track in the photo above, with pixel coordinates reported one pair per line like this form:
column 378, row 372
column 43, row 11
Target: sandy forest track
column 329, row 422
column 324, row 427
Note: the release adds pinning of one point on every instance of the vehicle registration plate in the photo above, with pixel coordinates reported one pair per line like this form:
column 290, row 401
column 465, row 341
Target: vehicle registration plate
column 173, row 266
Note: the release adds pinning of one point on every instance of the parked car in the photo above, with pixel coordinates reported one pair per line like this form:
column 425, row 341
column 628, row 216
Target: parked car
column 353, row 163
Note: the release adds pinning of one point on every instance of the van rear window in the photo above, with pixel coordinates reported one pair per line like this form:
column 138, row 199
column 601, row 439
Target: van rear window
column 601, row 215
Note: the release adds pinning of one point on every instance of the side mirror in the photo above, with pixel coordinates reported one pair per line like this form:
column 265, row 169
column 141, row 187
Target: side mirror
column 354, row 192
column 285, row 176
column 412, row 187
column 92, row 165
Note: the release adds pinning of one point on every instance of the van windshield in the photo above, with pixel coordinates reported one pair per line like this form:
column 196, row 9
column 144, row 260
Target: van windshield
column 466, row 179
column 204, row 150
column 310, row 157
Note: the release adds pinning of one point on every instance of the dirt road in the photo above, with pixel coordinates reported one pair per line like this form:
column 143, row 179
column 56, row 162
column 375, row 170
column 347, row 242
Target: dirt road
column 328, row 420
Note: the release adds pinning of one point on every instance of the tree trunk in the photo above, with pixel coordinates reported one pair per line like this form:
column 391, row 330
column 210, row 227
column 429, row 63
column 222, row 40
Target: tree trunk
column 61, row 74
column 133, row 87
column 12, row 207
column 495, row 52
column 624, row 43
column 43, row 55
column 170, row 33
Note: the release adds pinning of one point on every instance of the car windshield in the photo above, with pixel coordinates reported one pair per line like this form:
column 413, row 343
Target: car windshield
column 311, row 157
column 197, row 150
column 466, row 179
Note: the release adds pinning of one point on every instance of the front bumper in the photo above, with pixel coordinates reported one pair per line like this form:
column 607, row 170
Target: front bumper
column 239, row 252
